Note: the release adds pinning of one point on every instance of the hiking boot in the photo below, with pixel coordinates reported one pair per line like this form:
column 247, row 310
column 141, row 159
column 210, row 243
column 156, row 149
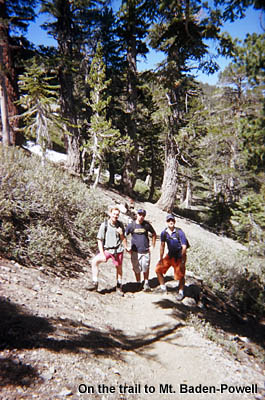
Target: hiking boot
column 93, row 287
column 160, row 290
column 180, row 296
column 147, row 287
column 119, row 290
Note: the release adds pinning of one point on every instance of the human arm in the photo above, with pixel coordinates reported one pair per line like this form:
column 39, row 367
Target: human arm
column 183, row 240
column 154, row 240
column 101, row 249
column 162, row 249
column 123, row 236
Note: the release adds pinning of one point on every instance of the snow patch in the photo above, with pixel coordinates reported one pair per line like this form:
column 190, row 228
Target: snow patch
column 50, row 154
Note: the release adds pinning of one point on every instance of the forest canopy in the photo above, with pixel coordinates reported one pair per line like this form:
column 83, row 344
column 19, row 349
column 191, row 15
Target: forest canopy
column 192, row 148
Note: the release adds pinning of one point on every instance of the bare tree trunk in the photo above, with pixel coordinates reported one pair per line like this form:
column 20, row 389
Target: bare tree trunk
column 73, row 153
column 170, row 179
column 188, row 198
column 97, row 177
column 4, row 108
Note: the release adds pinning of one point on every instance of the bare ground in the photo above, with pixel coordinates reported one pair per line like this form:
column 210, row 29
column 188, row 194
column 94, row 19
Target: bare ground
column 59, row 340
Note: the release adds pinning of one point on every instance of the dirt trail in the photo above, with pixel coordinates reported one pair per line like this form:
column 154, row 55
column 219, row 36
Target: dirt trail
column 57, row 338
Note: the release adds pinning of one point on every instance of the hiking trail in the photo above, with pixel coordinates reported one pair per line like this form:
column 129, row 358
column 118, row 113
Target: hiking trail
column 57, row 338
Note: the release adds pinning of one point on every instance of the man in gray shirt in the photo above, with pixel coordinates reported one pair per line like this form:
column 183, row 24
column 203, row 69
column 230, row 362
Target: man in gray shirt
column 111, row 243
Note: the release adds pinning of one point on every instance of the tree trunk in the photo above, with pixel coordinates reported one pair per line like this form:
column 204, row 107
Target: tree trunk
column 111, row 171
column 170, row 179
column 97, row 177
column 72, row 139
column 73, row 153
column 65, row 41
column 130, row 169
column 4, row 108
column 8, row 93
column 188, row 197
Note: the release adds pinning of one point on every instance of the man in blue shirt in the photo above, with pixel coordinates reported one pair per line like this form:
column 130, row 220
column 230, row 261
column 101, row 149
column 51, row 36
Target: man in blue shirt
column 140, row 251
column 177, row 246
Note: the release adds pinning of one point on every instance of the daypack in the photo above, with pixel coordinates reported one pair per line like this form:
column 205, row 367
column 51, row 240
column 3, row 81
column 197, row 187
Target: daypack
column 145, row 223
column 178, row 247
column 119, row 225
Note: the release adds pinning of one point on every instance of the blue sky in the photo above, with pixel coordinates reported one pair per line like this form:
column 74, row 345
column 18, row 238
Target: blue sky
column 250, row 24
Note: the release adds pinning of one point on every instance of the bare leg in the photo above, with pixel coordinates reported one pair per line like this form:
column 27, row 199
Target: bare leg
column 137, row 276
column 97, row 260
column 160, row 278
column 119, row 273
column 181, row 284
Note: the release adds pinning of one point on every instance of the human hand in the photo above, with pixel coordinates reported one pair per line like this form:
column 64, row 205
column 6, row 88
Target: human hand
column 120, row 231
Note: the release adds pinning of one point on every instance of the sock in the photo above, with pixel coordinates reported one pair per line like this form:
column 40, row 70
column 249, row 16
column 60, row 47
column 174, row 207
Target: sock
column 146, row 281
column 163, row 287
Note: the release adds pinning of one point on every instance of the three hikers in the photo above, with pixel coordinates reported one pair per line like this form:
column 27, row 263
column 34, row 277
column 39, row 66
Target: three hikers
column 140, row 247
column 177, row 245
column 112, row 242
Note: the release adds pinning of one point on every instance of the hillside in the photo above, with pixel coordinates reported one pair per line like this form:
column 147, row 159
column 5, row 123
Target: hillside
column 57, row 337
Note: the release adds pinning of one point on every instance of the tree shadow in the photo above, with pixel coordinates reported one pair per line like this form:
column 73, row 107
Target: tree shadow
column 219, row 314
column 20, row 330
column 19, row 327
column 16, row 373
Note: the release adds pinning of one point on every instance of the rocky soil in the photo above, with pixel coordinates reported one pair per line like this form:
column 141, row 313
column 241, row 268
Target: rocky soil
column 60, row 341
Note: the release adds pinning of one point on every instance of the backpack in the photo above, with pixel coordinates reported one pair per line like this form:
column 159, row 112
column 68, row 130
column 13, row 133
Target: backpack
column 145, row 223
column 168, row 237
column 119, row 225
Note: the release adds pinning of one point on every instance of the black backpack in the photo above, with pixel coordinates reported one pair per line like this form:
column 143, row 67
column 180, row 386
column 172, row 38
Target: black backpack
column 178, row 237
column 145, row 226
column 119, row 225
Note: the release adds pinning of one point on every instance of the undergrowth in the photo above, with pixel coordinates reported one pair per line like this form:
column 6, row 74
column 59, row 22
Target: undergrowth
column 48, row 218
column 235, row 277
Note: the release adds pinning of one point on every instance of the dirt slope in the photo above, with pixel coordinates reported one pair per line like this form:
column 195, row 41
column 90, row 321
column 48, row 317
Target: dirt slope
column 57, row 338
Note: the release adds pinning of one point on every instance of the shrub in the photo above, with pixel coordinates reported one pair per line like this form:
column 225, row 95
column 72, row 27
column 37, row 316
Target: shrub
column 249, row 222
column 142, row 189
column 236, row 278
column 47, row 216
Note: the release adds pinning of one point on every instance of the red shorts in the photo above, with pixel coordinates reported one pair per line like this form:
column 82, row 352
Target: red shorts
column 116, row 258
column 167, row 262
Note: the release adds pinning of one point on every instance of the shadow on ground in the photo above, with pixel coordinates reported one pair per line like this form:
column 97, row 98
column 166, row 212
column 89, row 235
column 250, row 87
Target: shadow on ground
column 13, row 372
column 20, row 330
column 220, row 315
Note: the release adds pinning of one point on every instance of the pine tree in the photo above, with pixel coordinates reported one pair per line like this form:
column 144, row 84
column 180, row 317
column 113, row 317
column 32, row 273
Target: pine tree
column 180, row 34
column 72, row 28
column 103, row 136
column 40, row 100
column 133, row 28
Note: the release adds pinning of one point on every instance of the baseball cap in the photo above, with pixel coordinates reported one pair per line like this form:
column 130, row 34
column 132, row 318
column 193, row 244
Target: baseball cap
column 141, row 211
column 170, row 216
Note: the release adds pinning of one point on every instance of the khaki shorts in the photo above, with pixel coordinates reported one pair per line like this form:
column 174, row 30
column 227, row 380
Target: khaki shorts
column 140, row 261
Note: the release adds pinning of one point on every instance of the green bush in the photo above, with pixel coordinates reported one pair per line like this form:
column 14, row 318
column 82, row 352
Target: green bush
column 141, row 189
column 237, row 278
column 47, row 216
column 249, row 222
